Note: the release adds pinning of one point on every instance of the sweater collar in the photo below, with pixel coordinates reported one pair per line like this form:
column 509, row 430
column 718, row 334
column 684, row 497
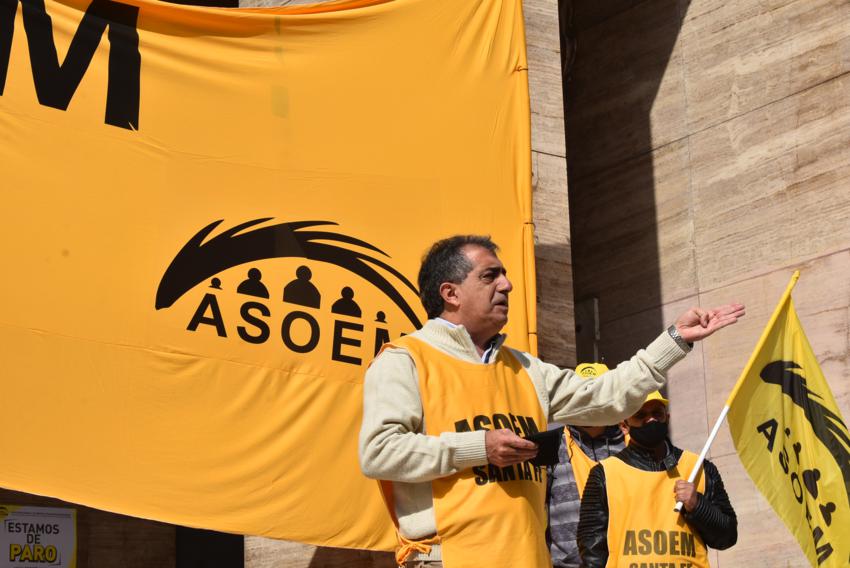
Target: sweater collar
column 456, row 340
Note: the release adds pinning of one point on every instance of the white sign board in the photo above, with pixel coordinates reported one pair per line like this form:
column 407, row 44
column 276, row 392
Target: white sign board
column 37, row 537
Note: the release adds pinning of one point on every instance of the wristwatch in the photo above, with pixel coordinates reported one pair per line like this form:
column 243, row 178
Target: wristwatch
column 674, row 333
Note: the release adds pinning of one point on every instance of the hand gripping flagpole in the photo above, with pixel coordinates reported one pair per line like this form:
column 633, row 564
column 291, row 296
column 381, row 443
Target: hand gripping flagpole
column 737, row 387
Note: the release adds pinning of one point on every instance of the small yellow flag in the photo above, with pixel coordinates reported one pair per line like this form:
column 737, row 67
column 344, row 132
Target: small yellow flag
column 792, row 440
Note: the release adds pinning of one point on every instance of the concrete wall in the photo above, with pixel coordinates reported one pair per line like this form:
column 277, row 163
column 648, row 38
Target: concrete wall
column 709, row 157
column 553, row 253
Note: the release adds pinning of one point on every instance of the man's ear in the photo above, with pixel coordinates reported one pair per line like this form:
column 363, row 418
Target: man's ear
column 448, row 291
column 624, row 428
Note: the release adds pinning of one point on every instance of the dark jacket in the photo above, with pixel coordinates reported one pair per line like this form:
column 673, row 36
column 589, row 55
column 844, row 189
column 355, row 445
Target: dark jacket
column 713, row 518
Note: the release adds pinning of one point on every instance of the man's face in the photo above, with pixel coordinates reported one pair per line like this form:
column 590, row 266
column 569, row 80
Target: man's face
column 652, row 411
column 482, row 298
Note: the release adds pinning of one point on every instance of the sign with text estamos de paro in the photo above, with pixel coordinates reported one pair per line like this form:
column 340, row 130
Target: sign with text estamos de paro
column 36, row 537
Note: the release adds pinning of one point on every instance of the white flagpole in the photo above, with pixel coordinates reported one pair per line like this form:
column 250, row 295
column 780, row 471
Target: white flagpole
column 704, row 452
column 744, row 373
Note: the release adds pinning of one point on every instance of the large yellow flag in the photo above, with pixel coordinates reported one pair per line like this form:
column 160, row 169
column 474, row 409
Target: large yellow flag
column 211, row 221
column 792, row 439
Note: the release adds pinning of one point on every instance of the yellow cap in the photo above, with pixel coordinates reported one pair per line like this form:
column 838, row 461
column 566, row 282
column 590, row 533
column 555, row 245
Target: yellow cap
column 591, row 370
column 656, row 396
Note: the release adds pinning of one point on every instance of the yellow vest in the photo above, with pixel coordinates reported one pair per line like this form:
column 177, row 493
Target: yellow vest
column 485, row 515
column 580, row 462
column 643, row 529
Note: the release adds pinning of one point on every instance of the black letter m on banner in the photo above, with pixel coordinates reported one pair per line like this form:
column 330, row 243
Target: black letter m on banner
column 55, row 84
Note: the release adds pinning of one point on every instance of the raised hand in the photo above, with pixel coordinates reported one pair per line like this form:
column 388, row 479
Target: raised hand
column 697, row 323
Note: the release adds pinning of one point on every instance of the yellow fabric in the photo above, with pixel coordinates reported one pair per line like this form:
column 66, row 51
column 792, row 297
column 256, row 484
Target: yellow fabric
column 486, row 516
column 581, row 462
column 656, row 395
column 407, row 547
column 397, row 122
column 793, row 441
column 643, row 529
column 591, row 370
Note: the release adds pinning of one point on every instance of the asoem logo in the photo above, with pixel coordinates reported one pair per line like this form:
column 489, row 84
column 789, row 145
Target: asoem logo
column 295, row 311
column 802, row 474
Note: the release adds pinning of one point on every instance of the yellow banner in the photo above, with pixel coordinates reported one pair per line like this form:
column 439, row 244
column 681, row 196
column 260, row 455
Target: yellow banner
column 792, row 440
column 213, row 218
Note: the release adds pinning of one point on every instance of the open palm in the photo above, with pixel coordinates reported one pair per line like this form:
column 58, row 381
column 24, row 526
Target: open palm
column 697, row 323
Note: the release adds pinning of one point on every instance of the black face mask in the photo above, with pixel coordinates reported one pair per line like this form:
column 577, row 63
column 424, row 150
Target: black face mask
column 649, row 435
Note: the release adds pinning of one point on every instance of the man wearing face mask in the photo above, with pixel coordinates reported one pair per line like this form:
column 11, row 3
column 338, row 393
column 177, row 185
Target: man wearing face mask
column 627, row 516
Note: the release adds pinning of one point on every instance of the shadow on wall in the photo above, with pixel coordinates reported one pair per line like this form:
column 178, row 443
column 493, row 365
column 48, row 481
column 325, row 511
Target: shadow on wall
column 618, row 107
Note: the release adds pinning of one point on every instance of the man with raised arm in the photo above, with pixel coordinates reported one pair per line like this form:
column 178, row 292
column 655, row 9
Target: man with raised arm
column 445, row 411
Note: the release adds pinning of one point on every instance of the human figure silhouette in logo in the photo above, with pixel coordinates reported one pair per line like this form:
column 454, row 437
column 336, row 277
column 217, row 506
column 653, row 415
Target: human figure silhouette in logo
column 346, row 305
column 301, row 291
column 215, row 283
column 252, row 286
column 382, row 335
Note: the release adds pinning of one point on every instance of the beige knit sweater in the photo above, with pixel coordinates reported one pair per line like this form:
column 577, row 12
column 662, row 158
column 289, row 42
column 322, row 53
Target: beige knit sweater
column 393, row 445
